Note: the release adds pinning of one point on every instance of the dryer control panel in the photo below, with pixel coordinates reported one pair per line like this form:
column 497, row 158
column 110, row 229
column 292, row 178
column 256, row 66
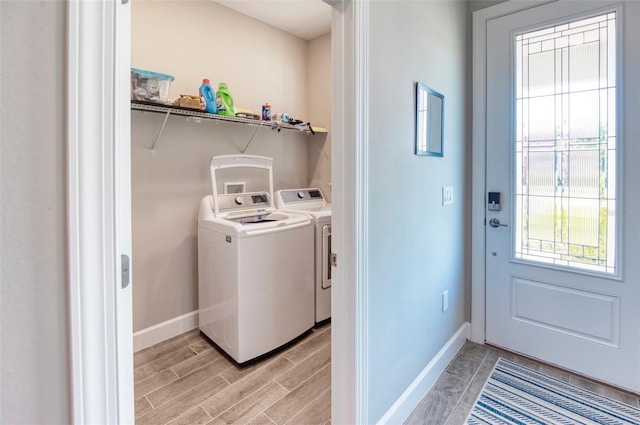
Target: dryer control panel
column 300, row 195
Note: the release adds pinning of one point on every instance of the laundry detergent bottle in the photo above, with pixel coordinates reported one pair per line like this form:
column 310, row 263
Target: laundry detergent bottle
column 224, row 101
column 208, row 97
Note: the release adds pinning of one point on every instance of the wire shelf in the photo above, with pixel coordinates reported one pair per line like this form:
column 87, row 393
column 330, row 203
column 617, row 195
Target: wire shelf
column 168, row 110
column 184, row 112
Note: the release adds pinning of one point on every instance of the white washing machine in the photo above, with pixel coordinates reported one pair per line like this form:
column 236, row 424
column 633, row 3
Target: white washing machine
column 255, row 281
column 311, row 202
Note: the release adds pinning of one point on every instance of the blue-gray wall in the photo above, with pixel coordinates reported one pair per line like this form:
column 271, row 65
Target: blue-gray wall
column 416, row 245
column 34, row 337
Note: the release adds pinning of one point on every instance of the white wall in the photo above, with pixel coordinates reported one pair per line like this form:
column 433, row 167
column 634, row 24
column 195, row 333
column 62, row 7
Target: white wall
column 319, row 107
column 34, row 339
column 192, row 40
column 260, row 63
column 416, row 245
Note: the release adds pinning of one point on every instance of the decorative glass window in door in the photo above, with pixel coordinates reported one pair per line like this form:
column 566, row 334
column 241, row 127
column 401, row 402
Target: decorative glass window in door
column 566, row 144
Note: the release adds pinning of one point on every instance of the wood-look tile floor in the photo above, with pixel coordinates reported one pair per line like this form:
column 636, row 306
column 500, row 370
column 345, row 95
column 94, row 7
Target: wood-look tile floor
column 451, row 398
column 187, row 380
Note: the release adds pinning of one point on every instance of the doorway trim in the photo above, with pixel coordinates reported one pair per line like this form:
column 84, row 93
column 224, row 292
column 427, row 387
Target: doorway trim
column 98, row 211
column 349, row 123
column 98, row 167
column 479, row 158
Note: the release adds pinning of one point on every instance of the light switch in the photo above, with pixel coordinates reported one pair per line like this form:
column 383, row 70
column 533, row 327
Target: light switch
column 447, row 195
column 445, row 301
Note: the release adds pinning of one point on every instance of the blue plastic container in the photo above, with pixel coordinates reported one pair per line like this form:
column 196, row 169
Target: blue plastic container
column 208, row 96
column 150, row 86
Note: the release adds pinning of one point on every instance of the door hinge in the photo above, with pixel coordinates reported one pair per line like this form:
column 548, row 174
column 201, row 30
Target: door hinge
column 126, row 275
column 333, row 259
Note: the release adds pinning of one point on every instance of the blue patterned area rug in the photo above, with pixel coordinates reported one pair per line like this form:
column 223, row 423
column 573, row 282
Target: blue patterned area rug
column 514, row 394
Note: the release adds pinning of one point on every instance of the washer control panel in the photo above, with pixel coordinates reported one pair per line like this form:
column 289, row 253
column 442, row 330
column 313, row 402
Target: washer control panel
column 243, row 200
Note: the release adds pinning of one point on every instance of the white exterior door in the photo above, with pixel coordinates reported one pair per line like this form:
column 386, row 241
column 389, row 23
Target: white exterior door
column 563, row 146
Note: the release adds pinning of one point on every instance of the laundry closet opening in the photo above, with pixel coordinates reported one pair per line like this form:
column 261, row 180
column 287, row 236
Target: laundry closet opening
column 171, row 153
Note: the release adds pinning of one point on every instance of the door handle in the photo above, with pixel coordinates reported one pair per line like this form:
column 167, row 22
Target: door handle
column 494, row 222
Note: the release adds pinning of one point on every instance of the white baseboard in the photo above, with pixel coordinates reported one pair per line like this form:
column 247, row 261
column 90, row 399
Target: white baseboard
column 157, row 333
column 402, row 408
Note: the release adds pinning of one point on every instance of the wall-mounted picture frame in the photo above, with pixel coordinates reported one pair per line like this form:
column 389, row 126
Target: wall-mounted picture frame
column 429, row 121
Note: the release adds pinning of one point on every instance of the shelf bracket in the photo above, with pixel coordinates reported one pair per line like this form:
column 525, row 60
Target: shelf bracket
column 251, row 139
column 311, row 129
column 153, row 146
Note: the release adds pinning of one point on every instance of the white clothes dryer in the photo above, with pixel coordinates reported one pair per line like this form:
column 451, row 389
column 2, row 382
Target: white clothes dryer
column 255, row 283
column 312, row 202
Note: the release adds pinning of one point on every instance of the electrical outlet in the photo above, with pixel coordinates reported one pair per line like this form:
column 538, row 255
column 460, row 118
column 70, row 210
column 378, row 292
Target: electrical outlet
column 445, row 301
column 447, row 195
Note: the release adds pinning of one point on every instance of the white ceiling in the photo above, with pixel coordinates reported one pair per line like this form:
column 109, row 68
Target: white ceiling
column 306, row 19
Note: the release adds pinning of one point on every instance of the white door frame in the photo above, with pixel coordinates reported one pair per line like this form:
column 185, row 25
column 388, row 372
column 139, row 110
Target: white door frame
column 99, row 232
column 349, row 123
column 479, row 160
column 99, row 204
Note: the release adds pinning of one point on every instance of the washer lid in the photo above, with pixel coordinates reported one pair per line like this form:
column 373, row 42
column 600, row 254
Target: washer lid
column 225, row 201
